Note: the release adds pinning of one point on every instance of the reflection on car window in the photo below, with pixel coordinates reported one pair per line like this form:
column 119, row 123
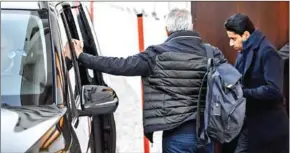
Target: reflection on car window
column 72, row 74
column 25, row 58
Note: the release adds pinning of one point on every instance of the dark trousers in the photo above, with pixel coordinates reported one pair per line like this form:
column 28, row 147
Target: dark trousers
column 182, row 140
column 242, row 146
column 281, row 145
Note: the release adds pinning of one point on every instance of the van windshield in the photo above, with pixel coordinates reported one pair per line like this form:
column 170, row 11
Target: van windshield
column 26, row 68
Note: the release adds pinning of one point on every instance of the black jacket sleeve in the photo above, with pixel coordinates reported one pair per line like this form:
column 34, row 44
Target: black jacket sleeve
column 137, row 65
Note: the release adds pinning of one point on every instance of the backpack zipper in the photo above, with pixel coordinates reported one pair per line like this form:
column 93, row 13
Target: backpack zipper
column 235, row 107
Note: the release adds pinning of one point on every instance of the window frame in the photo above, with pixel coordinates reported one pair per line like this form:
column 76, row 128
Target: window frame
column 77, row 92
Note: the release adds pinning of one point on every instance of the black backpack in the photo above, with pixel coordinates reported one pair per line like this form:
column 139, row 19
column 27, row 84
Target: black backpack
column 225, row 105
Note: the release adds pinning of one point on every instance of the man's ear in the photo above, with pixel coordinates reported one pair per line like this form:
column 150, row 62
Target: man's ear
column 246, row 35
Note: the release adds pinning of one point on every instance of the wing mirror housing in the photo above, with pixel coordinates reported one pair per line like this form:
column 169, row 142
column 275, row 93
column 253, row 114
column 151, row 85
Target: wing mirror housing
column 98, row 100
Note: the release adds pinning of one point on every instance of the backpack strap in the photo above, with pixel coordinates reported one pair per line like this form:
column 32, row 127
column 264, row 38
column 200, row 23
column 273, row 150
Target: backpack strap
column 209, row 50
column 202, row 138
column 198, row 130
column 210, row 55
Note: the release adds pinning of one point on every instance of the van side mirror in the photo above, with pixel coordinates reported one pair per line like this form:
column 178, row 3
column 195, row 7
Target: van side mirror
column 98, row 100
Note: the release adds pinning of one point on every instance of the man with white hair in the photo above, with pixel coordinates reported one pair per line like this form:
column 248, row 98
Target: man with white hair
column 172, row 73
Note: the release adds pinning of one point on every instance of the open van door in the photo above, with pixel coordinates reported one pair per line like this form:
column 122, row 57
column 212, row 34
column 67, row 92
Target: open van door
column 91, row 45
column 103, row 137
column 105, row 122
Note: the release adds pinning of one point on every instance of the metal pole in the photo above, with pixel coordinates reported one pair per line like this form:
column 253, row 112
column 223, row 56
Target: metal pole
column 141, row 49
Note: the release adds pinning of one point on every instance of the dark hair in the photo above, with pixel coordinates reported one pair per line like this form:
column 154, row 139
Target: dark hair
column 239, row 23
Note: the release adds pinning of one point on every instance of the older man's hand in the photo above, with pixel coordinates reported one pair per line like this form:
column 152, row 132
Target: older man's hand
column 78, row 47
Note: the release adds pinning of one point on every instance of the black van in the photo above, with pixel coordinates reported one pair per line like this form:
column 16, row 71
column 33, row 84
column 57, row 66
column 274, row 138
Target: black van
column 49, row 103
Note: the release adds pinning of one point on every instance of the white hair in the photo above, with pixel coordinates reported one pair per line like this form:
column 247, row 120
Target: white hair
column 178, row 20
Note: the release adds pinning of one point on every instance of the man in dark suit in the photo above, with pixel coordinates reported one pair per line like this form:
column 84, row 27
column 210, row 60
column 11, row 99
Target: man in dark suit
column 266, row 124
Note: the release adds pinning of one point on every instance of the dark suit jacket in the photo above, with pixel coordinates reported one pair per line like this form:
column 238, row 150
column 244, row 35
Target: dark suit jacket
column 262, row 70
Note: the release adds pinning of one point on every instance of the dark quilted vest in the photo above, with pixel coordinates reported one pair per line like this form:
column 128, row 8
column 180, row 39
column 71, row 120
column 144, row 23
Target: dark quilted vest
column 171, row 92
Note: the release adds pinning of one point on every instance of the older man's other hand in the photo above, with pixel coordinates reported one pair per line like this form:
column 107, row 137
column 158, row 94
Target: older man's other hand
column 66, row 51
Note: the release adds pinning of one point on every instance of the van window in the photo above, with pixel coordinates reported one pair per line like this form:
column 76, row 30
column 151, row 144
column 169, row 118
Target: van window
column 26, row 66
